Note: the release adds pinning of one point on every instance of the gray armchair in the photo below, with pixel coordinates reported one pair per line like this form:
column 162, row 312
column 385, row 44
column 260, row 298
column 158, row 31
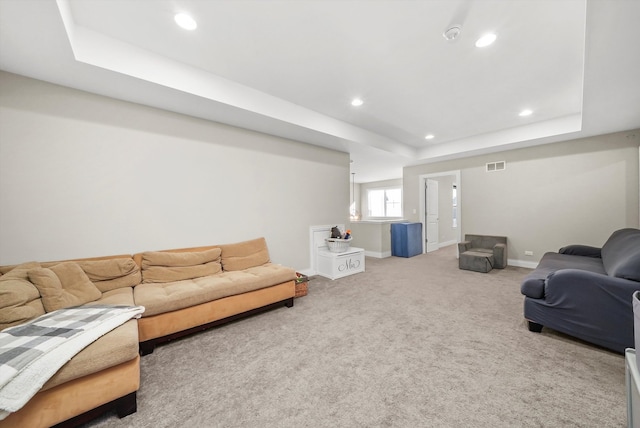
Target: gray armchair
column 481, row 253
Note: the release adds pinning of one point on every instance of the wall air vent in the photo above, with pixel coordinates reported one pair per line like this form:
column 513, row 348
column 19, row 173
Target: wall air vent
column 496, row 166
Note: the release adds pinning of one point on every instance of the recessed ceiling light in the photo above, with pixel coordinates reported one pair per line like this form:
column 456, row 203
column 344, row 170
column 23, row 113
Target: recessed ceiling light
column 185, row 21
column 526, row 112
column 429, row 137
column 357, row 102
column 486, row 40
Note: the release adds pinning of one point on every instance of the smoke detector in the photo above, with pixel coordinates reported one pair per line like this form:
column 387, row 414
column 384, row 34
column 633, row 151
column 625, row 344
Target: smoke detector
column 452, row 33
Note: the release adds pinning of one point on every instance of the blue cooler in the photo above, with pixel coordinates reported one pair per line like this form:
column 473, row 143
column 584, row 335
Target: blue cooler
column 406, row 239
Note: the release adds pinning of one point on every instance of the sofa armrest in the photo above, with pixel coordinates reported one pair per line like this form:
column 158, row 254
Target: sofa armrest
column 500, row 256
column 533, row 286
column 581, row 250
column 464, row 246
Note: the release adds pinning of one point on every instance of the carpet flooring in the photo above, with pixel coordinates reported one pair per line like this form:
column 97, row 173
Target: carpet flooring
column 409, row 343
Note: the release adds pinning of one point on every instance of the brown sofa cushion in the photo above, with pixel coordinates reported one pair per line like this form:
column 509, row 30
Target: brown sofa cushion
column 116, row 347
column 19, row 299
column 168, row 258
column 165, row 266
column 172, row 296
column 245, row 254
column 64, row 285
column 111, row 274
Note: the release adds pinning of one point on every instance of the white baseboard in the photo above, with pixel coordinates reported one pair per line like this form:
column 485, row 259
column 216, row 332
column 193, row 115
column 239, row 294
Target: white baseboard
column 522, row 263
column 378, row 254
column 447, row 243
column 307, row 272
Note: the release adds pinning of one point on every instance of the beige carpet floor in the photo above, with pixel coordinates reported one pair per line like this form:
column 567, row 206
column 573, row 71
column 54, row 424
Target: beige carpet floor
column 409, row 343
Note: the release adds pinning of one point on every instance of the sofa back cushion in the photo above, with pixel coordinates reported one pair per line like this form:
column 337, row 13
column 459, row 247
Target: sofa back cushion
column 244, row 255
column 169, row 266
column 621, row 254
column 63, row 285
column 19, row 298
column 485, row 241
column 110, row 274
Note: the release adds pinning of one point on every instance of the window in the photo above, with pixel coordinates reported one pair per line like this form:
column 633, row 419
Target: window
column 385, row 202
column 455, row 206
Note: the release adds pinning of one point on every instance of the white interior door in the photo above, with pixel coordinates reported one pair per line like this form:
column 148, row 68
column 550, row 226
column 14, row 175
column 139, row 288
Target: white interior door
column 431, row 214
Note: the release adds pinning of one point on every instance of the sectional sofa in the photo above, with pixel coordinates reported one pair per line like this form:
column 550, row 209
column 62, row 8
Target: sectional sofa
column 181, row 291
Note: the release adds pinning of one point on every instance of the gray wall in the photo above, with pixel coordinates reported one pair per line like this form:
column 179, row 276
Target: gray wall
column 373, row 236
column 577, row 191
column 83, row 175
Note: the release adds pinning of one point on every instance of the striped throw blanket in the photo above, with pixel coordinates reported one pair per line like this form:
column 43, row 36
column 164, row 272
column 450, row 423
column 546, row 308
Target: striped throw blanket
column 31, row 353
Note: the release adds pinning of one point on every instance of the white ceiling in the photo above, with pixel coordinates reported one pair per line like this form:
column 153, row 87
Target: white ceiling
column 291, row 68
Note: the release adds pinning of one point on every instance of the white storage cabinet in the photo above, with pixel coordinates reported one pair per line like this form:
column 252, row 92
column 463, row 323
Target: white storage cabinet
column 338, row 265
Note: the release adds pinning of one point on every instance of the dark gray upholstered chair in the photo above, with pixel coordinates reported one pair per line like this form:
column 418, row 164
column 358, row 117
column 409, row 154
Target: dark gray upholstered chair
column 481, row 253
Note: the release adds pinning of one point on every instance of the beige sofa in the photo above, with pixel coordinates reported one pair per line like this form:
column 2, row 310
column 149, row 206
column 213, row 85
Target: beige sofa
column 182, row 290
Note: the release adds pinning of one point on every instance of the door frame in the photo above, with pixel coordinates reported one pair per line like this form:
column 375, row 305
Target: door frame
column 422, row 178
